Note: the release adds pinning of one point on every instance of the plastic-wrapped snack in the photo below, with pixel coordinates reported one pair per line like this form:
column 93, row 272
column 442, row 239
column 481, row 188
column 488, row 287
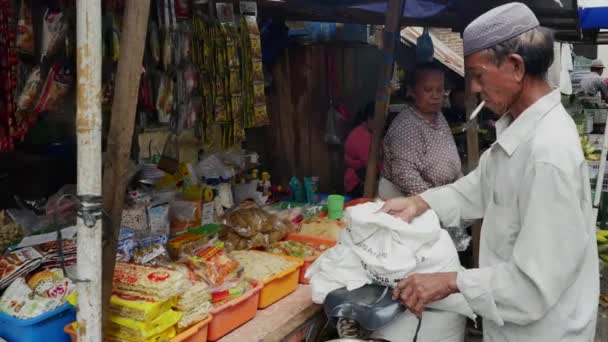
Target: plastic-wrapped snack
column 229, row 291
column 260, row 115
column 164, row 100
column 166, row 50
column 125, row 250
column 259, row 95
column 25, row 33
column 20, row 301
column 261, row 266
column 134, row 217
column 51, row 283
column 235, row 82
column 221, row 110
column 151, row 251
column 232, row 54
column 213, row 265
column 55, row 90
column 137, row 330
column 258, row 71
column 185, row 245
column 194, row 304
column 148, row 283
column 158, row 218
column 117, row 333
column 126, row 233
column 154, row 43
column 54, row 32
column 252, row 25
column 139, row 310
column 256, row 47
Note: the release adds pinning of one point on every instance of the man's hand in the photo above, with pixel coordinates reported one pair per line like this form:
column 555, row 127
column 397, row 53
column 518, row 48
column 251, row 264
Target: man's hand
column 418, row 290
column 406, row 208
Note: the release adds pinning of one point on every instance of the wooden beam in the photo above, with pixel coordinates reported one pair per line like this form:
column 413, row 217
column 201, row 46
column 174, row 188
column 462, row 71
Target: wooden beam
column 392, row 34
column 472, row 162
column 122, row 123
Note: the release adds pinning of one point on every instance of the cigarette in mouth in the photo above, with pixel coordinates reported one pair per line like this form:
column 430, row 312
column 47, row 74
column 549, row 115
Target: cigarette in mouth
column 477, row 110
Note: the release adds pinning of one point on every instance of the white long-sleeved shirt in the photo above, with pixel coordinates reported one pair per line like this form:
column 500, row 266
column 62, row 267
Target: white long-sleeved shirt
column 538, row 277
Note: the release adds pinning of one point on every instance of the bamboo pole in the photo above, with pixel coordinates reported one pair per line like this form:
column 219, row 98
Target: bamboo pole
column 391, row 36
column 88, row 133
column 122, row 123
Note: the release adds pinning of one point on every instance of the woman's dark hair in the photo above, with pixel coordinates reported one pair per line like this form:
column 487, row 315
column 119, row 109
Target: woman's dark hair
column 422, row 69
column 363, row 115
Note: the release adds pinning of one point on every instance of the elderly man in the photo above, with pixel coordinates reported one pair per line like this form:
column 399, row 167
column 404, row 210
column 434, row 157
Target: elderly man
column 593, row 83
column 538, row 271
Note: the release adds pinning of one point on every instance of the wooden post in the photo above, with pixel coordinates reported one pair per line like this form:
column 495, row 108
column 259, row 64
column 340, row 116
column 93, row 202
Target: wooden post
column 122, row 122
column 472, row 162
column 88, row 133
column 472, row 132
column 391, row 36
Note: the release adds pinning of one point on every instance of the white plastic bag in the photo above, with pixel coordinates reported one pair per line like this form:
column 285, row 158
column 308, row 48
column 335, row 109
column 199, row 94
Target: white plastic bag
column 379, row 248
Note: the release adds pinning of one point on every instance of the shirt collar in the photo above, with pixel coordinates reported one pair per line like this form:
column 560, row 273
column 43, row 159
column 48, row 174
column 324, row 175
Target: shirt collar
column 511, row 133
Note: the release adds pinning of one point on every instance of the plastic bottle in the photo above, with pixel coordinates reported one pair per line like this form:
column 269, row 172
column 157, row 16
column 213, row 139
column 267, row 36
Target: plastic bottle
column 297, row 190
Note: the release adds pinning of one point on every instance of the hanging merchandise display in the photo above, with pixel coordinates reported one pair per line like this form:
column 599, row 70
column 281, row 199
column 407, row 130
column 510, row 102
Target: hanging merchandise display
column 8, row 72
column 25, row 33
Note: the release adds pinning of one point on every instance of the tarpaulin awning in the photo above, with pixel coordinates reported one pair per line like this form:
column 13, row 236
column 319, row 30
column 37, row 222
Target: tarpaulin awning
column 413, row 8
column 593, row 14
column 443, row 54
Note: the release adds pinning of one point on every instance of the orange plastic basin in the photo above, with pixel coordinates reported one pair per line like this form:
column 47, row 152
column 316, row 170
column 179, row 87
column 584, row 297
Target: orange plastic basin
column 235, row 313
column 314, row 241
column 281, row 284
column 196, row 333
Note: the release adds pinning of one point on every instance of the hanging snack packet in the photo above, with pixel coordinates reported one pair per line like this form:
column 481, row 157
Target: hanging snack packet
column 55, row 90
column 183, row 9
column 154, row 43
column 31, row 89
column 54, row 32
column 25, row 33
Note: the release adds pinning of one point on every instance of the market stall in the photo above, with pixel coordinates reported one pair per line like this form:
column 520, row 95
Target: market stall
column 209, row 247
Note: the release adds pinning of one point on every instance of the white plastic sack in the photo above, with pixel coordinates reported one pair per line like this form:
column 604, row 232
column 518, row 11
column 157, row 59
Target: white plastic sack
column 381, row 249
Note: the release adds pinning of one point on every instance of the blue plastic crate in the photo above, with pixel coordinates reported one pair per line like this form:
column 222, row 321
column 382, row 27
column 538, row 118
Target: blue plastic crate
column 47, row 327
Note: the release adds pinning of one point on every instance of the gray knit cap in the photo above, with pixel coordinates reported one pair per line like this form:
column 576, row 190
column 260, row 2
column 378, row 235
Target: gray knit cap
column 498, row 25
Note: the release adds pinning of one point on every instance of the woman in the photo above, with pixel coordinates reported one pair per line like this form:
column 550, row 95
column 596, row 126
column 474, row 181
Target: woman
column 356, row 152
column 419, row 149
column 419, row 154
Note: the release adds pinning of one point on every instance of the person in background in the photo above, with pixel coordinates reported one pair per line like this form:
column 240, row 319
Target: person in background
column 456, row 114
column 538, row 275
column 356, row 152
column 593, row 84
column 419, row 149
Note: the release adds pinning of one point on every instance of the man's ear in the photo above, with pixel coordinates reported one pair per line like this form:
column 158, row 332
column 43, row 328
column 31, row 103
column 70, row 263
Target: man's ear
column 518, row 66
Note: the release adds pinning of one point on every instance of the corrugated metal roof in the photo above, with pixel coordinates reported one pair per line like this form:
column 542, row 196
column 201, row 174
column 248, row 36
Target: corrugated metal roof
column 443, row 54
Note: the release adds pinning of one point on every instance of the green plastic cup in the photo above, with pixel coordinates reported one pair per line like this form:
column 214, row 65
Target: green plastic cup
column 335, row 207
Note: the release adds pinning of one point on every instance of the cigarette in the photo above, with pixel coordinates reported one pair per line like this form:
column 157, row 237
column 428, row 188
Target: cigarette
column 477, row 110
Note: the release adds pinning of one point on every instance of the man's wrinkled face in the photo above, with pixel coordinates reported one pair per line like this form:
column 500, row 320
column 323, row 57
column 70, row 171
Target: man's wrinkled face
column 498, row 85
